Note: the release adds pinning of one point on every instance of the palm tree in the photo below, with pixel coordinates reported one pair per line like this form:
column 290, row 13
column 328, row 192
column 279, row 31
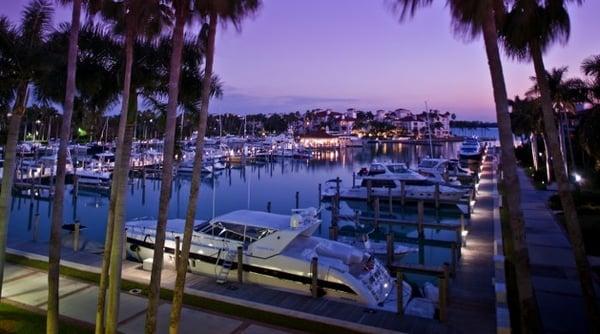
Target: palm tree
column 471, row 18
column 181, row 15
column 135, row 19
column 565, row 93
column 59, row 188
column 591, row 67
column 531, row 27
column 228, row 12
column 526, row 120
column 21, row 54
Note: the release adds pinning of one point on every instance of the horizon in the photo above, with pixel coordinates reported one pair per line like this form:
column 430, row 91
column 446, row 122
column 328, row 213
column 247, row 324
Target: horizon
column 296, row 56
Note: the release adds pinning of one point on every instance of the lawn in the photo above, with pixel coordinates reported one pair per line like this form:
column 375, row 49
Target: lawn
column 19, row 320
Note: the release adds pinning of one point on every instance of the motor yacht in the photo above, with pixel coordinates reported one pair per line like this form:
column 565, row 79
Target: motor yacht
column 277, row 251
column 470, row 149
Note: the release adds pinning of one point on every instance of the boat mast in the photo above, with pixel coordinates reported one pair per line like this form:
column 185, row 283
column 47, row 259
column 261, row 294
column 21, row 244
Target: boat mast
column 429, row 130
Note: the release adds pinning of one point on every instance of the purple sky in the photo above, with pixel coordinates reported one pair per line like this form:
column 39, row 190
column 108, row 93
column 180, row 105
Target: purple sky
column 304, row 54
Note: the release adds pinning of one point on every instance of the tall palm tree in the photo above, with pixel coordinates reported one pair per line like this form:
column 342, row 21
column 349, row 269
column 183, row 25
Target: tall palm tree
column 531, row 27
column 474, row 17
column 59, row 188
column 526, row 120
column 134, row 19
column 181, row 15
column 21, row 54
column 226, row 11
column 565, row 94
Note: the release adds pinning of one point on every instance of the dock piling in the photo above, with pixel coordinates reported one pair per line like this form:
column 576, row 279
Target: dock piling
column 462, row 230
column 269, row 206
column 436, row 195
column 314, row 273
column 35, row 228
column 420, row 214
column 390, row 203
column 402, row 193
column 369, row 188
column 297, row 199
column 376, row 208
column 333, row 232
column 353, row 179
column 76, row 228
column 240, row 264
column 400, row 292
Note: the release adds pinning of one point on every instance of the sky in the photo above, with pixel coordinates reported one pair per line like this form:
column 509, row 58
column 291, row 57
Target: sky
column 305, row 54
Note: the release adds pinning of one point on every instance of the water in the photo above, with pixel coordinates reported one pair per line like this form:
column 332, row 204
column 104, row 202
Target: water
column 249, row 187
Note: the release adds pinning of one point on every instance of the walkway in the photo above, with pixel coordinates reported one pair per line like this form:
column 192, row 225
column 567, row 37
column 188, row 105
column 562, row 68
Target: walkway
column 472, row 299
column 29, row 287
column 555, row 279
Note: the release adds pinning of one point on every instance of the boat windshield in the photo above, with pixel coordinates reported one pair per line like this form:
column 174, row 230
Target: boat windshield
column 398, row 169
column 243, row 233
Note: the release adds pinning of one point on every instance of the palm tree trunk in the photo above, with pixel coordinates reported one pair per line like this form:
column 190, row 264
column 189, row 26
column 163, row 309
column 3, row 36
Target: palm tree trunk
column 167, row 171
column 8, row 173
column 534, row 150
column 61, row 166
column 547, row 159
column 528, row 306
column 564, row 192
column 119, row 182
column 195, row 186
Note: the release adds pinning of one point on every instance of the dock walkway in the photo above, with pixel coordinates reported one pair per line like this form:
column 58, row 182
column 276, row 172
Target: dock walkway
column 554, row 275
column 472, row 298
column 28, row 287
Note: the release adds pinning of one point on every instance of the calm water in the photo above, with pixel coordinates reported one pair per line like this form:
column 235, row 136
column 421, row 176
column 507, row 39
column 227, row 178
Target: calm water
column 248, row 187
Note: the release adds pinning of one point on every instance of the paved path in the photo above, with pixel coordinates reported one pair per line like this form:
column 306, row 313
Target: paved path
column 29, row 287
column 555, row 279
column 472, row 300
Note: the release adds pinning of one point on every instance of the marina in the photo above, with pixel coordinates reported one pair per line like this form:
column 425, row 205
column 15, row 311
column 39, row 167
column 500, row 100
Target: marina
column 419, row 239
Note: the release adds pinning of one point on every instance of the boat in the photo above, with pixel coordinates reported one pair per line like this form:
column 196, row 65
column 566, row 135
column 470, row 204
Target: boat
column 398, row 181
column 187, row 167
column 92, row 177
column 277, row 251
column 437, row 170
column 470, row 149
column 363, row 242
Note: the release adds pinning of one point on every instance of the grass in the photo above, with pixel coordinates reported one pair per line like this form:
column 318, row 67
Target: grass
column 15, row 319
column 194, row 301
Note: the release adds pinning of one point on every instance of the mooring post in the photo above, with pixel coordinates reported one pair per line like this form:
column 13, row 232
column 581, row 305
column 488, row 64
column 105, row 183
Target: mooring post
column 177, row 251
column 390, row 199
column 314, row 273
column 437, row 195
column 453, row 263
column 353, row 179
column 36, row 224
column 390, row 248
column 333, row 232
column 399, row 290
column 420, row 213
column 240, row 264
column 76, row 236
column 297, row 199
column 269, row 206
column 376, row 207
column 443, row 293
column 369, row 184
column 402, row 192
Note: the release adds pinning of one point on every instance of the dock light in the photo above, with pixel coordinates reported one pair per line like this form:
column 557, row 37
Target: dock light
column 540, row 154
column 577, row 177
column 464, row 233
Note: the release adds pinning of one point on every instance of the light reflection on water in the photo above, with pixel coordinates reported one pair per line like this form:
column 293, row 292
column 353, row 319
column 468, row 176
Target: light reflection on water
column 228, row 190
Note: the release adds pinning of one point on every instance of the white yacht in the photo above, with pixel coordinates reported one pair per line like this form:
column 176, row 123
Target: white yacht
column 437, row 170
column 277, row 251
column 393, row 179
column 470, row 149
column 89, row 176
